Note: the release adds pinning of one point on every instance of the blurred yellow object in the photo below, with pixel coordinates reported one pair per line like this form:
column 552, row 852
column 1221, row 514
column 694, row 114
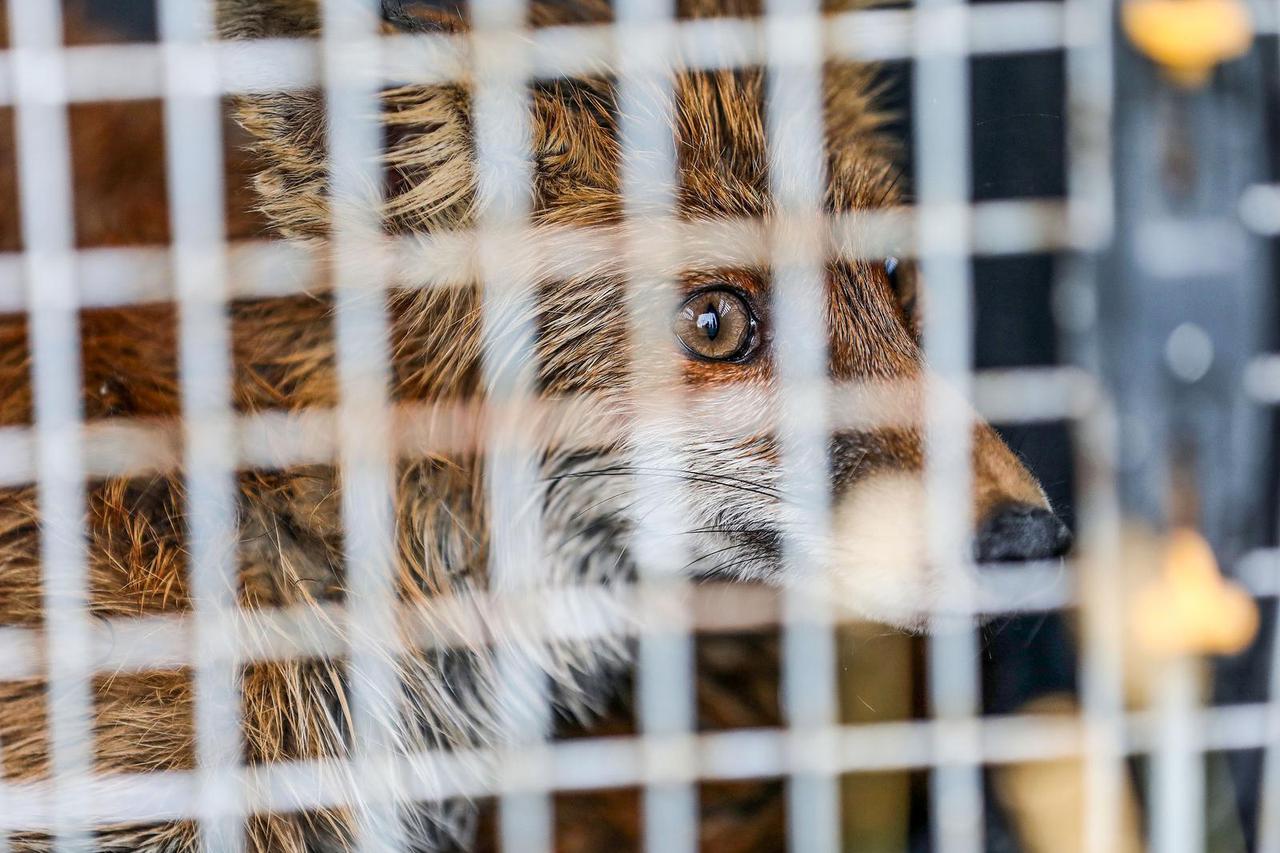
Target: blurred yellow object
column 1188, row 37
column 1047, row 799
column 1191, row 608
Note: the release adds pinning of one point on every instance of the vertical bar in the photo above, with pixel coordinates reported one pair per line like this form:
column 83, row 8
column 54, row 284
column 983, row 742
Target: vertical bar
column 1268, row 836
column 1269, row 808
column 1090, row 204
column 45, row 196
column 798, row 251
column 351, row 50
column 1102, row 620
column 665, row 669
column 5, row 808
column 193, row 136
column 941, row 114
column 1177, row 764
column 1090, row 85
column 504, row 178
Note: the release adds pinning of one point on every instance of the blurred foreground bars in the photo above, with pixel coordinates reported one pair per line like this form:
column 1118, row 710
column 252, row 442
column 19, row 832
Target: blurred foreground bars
column 1152, row 261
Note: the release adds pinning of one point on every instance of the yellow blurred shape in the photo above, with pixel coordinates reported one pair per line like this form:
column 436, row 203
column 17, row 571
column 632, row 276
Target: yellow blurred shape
column 1047, row 799
column 1191, row 608
column 1188, row 37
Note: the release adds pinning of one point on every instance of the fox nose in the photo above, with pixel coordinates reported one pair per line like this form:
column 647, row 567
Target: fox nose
column 1019, row 531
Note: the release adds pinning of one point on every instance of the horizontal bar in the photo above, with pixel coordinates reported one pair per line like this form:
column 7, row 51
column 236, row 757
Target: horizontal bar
column 115, row 277
column 137, row 71
column 568, row 613
column 129, row 447
column 166, row 642
column 615, row 762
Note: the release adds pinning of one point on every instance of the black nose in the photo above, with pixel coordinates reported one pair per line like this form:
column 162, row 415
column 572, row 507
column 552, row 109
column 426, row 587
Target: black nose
column 1021, row 532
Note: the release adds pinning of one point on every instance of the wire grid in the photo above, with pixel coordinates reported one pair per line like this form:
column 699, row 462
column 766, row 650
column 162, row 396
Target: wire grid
column 941, row 105
column 664, row 676
column 51, row 280
column 797, row 182
column 193, row 121
column 47, row 228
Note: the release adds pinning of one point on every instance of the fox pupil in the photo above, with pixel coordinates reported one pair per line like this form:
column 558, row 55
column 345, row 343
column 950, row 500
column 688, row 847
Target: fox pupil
column 709, row 323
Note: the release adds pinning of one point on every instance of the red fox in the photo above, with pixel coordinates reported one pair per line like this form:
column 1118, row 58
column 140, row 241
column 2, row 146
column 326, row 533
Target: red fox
column 290, row 549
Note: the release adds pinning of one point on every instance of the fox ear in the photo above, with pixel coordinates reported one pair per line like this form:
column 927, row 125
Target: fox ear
column 427, row 149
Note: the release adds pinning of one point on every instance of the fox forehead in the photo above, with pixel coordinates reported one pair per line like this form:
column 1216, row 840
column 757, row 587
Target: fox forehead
column 719, row 125
column 720, row 129
column 718, row 120
column 723, row 170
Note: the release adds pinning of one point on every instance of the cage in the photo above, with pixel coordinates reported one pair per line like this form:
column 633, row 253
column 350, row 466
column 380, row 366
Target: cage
column 274, row 560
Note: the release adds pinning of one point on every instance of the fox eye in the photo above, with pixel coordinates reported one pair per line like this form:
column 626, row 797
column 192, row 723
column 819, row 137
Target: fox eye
column 716, row 324
column 891, row 270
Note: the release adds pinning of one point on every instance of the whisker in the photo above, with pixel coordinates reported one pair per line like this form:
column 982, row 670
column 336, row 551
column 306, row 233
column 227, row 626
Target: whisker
column 728, row 548
column 689, row 476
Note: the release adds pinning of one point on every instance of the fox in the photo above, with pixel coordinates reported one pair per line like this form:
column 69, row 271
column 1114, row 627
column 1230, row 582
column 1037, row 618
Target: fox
column 737, row 516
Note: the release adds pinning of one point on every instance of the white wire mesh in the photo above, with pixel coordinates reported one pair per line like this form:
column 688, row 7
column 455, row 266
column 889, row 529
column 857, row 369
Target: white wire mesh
column 794, row 122
column 194, row 157
column 366, row 434
column 941, row 106
column 44, row 165
column 505, row 184
column 665, row 659
column 349, row 41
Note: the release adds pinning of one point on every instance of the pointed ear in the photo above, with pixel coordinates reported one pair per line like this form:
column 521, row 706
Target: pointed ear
column 427, row 150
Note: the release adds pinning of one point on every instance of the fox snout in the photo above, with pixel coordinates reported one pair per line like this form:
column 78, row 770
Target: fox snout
column 880, row 562
column 1017, row 532
column 1013, row 521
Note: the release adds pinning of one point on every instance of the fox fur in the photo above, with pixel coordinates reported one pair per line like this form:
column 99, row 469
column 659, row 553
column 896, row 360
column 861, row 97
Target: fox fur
column 290, row 550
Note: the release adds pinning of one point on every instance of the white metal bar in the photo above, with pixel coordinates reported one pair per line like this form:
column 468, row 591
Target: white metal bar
column 1269, row 798
column 134, row 71
column 354, row 143
column 796, row 135
column 665, row 665
column 1090, row 194
column 616, row 762
column 1177, row 762
column 45, row 198
column 941, row 127
column 1260, row 211
column 272, row 439
column 1103, row 626
column 164, row 642
column 504, row 177
column 117, row 276
column 193, row 149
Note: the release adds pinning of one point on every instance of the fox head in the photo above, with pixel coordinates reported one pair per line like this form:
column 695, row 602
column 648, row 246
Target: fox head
column 719, row 434
column 699, row 394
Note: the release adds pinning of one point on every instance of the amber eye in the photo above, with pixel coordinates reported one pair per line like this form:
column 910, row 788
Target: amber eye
column 716, row 324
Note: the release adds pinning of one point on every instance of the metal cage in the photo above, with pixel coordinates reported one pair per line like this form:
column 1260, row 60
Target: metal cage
column 1157, row 272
